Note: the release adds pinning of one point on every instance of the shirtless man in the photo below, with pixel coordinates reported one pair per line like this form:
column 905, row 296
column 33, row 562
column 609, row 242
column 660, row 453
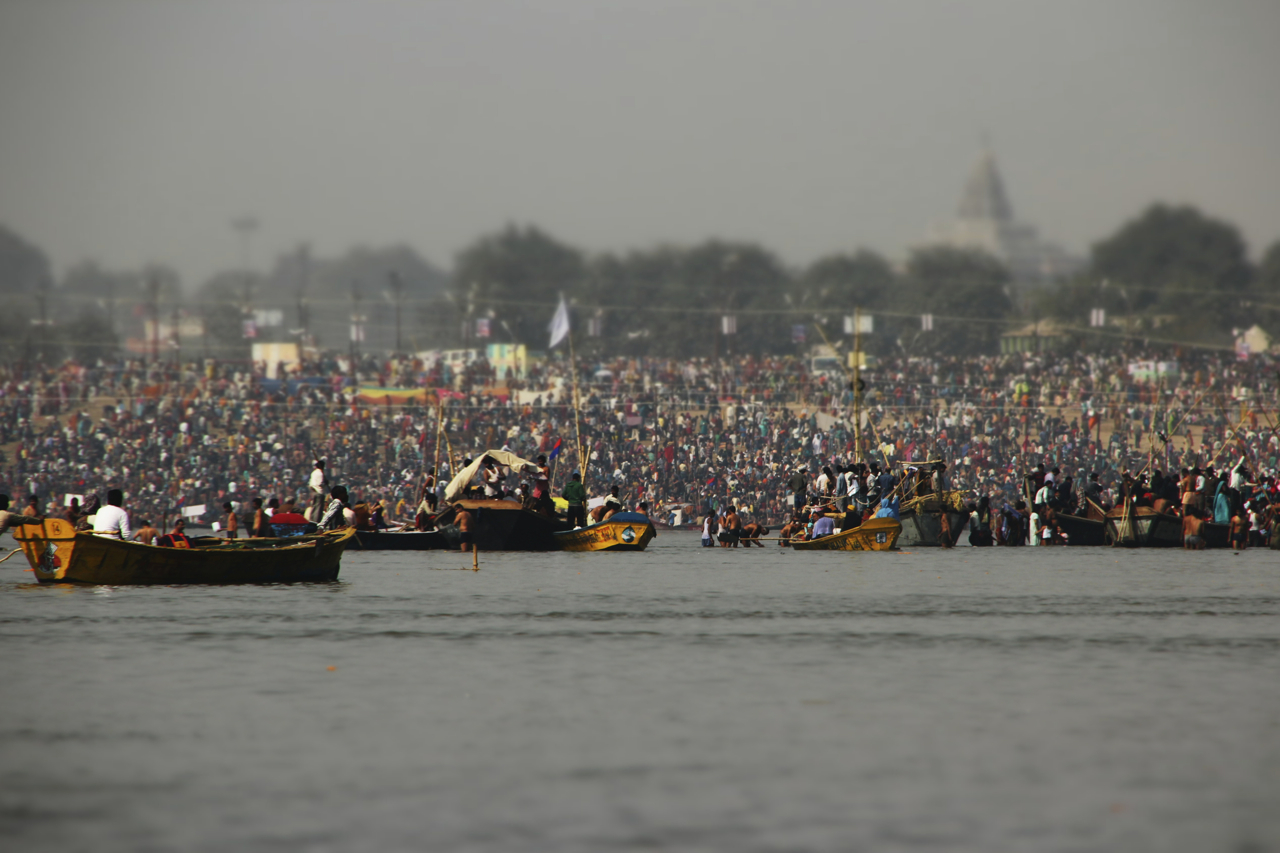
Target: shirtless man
column 1192, row 540
column 793, row 529
column 751, row 533
column 464, row 521
column 1239, row 531
column 731, row 530
column 146, row 534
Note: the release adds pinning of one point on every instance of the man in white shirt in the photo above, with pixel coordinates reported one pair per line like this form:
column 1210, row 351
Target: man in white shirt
column 319, row 485
column 112, row 521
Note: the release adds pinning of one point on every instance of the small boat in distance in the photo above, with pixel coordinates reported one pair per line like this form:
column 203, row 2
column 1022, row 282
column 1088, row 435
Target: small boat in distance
column 1143, row 527
column 59, row 554
column 622, row 531
column 875, row 534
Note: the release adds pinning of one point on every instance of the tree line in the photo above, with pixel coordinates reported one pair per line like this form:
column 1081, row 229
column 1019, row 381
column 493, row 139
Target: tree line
column 1172, row 273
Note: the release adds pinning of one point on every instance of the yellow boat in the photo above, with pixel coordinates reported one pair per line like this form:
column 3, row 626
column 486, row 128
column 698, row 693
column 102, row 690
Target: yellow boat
column 875, row 534
column 58, row 554
column 623, row 531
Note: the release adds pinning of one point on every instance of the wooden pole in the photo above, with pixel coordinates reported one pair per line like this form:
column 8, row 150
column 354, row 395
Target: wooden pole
column 475, row 557
column 577, row 417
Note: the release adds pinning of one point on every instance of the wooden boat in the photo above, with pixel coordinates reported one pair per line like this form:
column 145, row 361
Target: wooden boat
column 398, row 540
column 922, row 520
column 501, row 526
column 1088, row 529
column 623, row 531
column 1143, row 527
column 875, row 534
column 58, row 554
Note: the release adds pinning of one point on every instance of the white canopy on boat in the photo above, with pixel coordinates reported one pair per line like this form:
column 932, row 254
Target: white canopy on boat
column 458, row 485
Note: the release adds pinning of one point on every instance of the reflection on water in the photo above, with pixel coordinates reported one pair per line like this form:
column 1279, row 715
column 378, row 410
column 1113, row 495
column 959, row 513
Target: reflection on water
column 992, row 699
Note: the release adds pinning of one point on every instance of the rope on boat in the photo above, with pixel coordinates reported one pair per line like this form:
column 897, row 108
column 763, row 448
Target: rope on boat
column 10, row 554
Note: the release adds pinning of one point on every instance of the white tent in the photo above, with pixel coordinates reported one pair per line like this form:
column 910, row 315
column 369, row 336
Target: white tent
column 458, row 485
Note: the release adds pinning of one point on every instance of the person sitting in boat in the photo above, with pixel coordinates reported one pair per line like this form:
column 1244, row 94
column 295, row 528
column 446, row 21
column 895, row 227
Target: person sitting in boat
column 888, row 509
column 824, row 526
column 90, row 510
column 338, row 515
column 112, row 521
column 146, row 533
column 13, row 519
column 176, row 539
column 73, row 513
column 612, row 506
column 426, row 507
column 576, row 495
column 542, row 488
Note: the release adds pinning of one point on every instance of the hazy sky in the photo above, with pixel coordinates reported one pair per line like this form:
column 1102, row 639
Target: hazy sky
column 134, row 131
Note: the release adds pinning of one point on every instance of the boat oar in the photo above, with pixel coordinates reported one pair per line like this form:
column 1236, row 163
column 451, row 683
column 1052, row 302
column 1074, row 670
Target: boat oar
column 10, row 554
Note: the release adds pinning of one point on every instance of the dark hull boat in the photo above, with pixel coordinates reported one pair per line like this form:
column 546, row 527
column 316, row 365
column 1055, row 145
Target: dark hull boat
column 922, row 523
column 1143, row 527
column 501, row 526
column 408, row 540
column 1081, row 530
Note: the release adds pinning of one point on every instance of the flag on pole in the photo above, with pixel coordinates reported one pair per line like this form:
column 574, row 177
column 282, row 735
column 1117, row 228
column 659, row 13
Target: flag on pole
column 556, row 448
column 559, row 324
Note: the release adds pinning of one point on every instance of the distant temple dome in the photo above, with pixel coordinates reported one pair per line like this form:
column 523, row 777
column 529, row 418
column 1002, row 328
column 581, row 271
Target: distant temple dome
column 984, row 220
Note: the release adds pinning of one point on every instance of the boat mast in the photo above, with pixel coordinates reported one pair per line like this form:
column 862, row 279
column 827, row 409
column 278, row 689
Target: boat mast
column 857, row 392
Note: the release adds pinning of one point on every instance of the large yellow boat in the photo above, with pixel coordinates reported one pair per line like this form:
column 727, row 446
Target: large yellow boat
column 58, row 554
column 623, row 531
column 875, row 534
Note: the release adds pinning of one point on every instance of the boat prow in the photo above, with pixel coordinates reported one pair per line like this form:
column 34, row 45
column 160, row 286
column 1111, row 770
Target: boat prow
column 59, row 554
column 622, row 531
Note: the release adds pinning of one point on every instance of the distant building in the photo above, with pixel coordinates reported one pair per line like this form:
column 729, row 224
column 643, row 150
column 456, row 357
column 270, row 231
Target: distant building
column 985, row 221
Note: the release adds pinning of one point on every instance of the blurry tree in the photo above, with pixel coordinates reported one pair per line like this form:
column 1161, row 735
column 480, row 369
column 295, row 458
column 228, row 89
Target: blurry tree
column 837, row 284
column 89, row 337
column 512, row 277
column 967, row 292
column 1175, row 260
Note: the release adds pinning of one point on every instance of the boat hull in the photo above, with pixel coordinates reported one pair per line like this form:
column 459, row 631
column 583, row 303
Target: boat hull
column 58, row 554
column 409, row 540
column 924, row 529
column 1083, row 531
column 1143, row 527
column 501, row 526
column 875, row 534
column 625, row 531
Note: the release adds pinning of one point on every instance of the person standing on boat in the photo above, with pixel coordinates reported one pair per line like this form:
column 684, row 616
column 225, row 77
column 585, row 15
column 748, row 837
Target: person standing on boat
column 261, row 527
column 576, row 495
column 13, row 519
column 319, row 485
column 112, row 521
column 799, row 485
column 233, row 523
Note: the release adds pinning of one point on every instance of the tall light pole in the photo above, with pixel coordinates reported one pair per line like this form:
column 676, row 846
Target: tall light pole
column 397, row 289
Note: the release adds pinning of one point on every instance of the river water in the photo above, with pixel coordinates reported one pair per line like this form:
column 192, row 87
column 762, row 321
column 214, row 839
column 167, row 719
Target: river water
column 977, row 699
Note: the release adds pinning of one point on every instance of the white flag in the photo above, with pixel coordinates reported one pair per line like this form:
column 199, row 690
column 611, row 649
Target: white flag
column 559, row 324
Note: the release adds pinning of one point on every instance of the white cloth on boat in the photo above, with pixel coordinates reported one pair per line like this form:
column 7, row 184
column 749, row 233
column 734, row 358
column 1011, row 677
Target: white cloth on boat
column 458, row 485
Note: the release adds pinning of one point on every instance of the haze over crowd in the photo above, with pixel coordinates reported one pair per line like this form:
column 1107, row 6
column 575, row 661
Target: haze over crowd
column 134, row 132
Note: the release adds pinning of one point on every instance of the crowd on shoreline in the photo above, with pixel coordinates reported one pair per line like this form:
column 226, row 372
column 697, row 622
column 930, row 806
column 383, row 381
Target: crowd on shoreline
column 697, row 433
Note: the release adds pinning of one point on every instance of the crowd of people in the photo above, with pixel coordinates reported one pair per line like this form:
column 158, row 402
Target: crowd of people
column 686, row 437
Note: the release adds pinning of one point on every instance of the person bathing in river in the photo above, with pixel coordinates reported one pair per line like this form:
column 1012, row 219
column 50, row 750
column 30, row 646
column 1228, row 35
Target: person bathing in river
column 751, row 533
column 464, row 522
column 1239, row 531
column 731, row 530
column 1192, row 538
